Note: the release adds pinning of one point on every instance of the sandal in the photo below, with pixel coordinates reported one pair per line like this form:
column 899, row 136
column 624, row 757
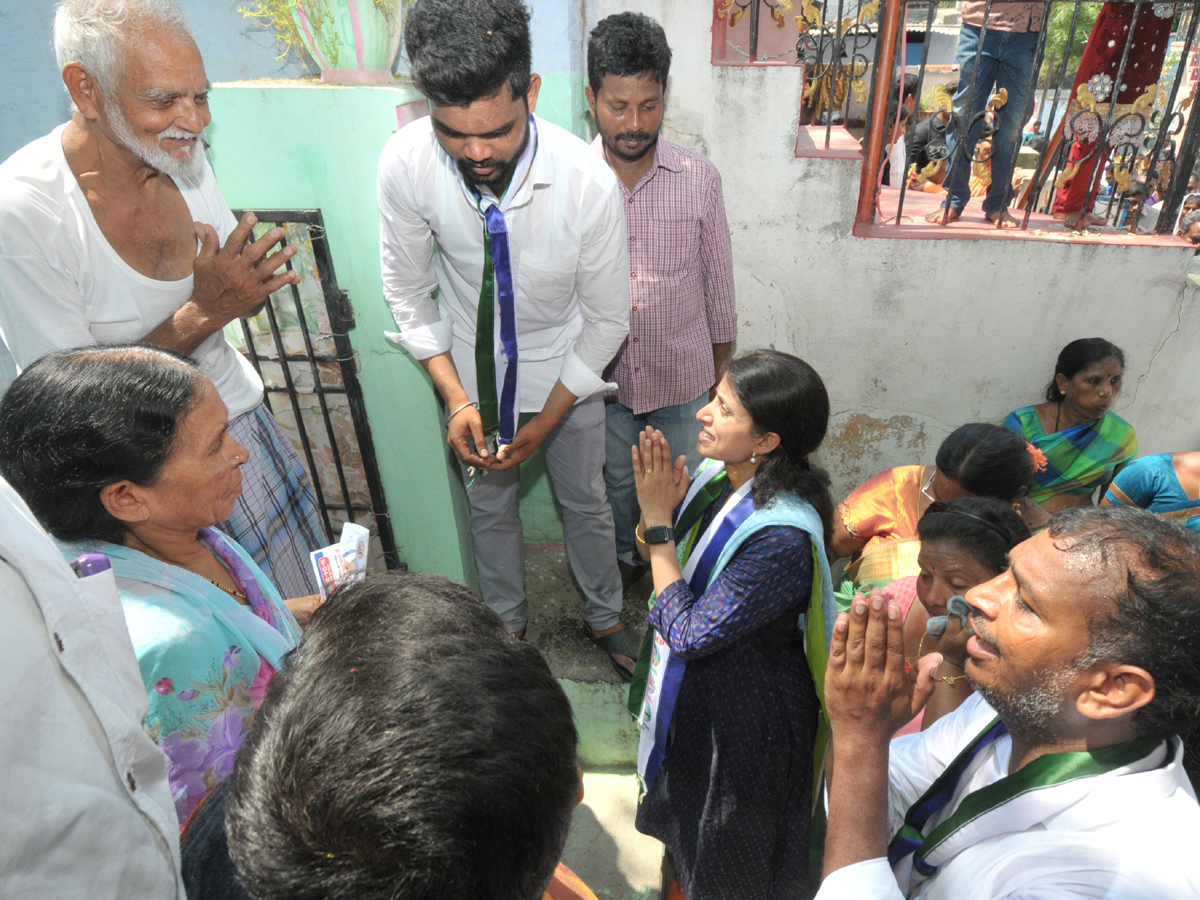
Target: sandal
column 619, row 643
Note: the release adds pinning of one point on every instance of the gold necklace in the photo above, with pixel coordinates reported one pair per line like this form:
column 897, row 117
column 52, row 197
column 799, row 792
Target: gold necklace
column 232, row 592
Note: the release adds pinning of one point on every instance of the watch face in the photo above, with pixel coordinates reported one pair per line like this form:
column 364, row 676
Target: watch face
column 659, row 534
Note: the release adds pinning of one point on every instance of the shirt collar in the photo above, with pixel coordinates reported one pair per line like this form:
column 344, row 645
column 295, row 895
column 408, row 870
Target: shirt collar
column 666, row 156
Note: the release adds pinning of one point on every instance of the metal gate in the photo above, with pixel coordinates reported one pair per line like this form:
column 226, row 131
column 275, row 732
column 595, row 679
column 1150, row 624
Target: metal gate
column 300, row 346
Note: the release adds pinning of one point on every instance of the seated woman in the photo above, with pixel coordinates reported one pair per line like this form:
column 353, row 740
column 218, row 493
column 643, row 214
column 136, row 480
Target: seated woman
column 1083, row 444
column 963, row 543
column 1165, row 483
column 124, row 451
column 877, row 523
column 730, row 703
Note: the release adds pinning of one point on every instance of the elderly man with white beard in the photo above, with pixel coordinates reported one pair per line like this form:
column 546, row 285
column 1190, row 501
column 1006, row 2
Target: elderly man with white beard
column 113, row 229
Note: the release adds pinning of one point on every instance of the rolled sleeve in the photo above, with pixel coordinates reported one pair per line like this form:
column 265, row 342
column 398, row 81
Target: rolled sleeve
column 716, row 256
column 871, row 879
column 602, row 289
column 406, row 250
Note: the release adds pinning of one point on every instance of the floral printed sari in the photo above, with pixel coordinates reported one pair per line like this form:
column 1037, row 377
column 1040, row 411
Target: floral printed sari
column 205, row 658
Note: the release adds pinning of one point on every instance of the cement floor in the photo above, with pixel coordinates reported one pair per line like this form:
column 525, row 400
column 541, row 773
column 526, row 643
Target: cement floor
column 556, row 616
column 604, row 848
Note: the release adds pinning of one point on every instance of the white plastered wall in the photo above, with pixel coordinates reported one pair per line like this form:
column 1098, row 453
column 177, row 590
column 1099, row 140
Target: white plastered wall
column 912, row 337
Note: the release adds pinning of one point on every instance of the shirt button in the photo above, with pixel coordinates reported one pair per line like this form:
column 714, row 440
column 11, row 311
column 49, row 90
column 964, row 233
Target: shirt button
column 632, row 238
column 634, row 308
column 635, row 340
column 636, row 369
column 633, row 274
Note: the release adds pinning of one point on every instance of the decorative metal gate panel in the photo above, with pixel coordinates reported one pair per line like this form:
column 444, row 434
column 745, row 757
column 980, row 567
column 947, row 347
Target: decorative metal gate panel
column 299, row 343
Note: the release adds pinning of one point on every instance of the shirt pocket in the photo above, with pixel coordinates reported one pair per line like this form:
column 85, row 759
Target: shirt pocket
column 545, row 290
column 673, row 245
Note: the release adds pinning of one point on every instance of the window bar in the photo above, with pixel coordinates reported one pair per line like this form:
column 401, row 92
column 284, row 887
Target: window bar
column 962, row 136
column 1026, row 112
column 341, row 323
column 291, row 392
column 1106, row 128
column 319, row 390
column 1042, row 172
column 837, row 48
column 1171, row 201
column 1189, row 147
column 933, row 7
column 754, row 4
column 884, row 49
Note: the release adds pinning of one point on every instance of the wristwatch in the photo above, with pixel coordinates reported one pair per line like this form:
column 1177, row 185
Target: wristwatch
column 659, row 534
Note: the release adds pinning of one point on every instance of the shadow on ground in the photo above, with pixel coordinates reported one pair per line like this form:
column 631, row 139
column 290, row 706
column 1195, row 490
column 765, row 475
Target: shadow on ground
column 556, row 616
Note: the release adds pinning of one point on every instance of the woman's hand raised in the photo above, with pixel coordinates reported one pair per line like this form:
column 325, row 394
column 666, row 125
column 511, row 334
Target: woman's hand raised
column 661, row 486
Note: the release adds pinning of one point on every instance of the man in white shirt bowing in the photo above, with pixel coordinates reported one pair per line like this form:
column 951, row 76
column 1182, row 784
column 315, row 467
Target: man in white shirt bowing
column 1062, row 776
column 517, row 228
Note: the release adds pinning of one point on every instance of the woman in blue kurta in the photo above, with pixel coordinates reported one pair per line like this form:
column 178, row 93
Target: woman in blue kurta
column 126, row 452
column 1165, row 483
column 730, row 711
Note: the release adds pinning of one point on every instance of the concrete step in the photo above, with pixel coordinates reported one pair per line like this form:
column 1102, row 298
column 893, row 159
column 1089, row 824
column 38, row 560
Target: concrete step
column 604, row 848
column 597, row 693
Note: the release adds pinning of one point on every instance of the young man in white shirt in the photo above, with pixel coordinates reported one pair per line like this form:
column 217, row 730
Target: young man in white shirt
column 1063, row 775
column 551, row 278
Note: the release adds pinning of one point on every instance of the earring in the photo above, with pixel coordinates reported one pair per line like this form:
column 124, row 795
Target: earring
column 754, row 458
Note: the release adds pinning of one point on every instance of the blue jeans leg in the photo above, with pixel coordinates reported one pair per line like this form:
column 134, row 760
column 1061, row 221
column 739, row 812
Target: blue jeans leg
column 1017, row 60
column 678, row 425
column 958, row 174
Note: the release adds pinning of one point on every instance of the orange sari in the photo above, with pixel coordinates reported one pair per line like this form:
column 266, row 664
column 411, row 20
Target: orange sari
column 566, row 885
column 884, row 511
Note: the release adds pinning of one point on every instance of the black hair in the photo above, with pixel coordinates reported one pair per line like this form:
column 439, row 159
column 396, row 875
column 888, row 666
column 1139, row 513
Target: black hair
column 987, row 461
column 408, row 749
column 627, row 44
column 462, row 50
column 1077, row 356
column 76, row 421
column 785, row 395
column 1156, row 623
column 894, row 100
column 983, row 528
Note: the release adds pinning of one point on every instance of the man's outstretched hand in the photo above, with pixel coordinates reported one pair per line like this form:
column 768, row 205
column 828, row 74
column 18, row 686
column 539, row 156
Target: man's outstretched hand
column 235, row 280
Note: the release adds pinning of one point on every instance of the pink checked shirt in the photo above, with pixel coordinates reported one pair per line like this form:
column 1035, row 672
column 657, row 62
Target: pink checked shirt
column 681, row 298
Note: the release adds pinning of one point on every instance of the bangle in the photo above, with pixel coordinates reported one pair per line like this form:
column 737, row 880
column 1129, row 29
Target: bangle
column 637, row 533
column 460, row 409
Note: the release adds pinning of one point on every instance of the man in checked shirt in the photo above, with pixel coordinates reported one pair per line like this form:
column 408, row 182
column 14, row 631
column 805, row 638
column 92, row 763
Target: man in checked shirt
column 682, row 314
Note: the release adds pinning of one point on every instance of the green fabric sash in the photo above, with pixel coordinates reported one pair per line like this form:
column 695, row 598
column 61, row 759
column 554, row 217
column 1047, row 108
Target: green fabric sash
column 485, row 342
column 1044, row 772
column 1076, row 458
column 686, row 535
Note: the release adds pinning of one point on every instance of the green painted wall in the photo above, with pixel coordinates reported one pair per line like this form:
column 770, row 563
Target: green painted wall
column 301, row 144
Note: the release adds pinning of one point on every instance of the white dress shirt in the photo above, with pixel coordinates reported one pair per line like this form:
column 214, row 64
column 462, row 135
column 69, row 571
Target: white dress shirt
column 63, row 285
column 1128, row 834
column 85, row 809
column 570, row 260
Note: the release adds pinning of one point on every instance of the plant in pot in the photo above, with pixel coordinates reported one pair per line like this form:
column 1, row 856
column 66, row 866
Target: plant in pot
column 353, row 41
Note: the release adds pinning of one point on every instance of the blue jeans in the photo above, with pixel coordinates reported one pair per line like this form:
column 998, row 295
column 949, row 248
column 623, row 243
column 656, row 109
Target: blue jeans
column 1008, row 61
column 681, row 429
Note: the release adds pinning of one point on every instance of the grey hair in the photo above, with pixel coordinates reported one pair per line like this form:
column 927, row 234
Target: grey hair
column 1189, row 220
column 93, row 32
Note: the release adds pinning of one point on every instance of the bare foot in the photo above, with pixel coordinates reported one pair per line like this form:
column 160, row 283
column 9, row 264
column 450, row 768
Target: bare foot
column 1081, row 221
column 943, row 215
column 1003, row 219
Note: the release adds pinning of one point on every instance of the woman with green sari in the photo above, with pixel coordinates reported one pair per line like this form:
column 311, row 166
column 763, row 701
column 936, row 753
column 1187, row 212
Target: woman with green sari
column 1082, row 444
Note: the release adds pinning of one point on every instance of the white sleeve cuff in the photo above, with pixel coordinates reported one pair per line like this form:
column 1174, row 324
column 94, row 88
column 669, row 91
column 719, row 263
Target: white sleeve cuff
column 424, row 341
column 871, row 879
column 581, row 381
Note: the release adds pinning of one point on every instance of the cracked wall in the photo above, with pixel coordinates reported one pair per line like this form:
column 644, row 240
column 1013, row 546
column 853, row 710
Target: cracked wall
column 912, row 337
